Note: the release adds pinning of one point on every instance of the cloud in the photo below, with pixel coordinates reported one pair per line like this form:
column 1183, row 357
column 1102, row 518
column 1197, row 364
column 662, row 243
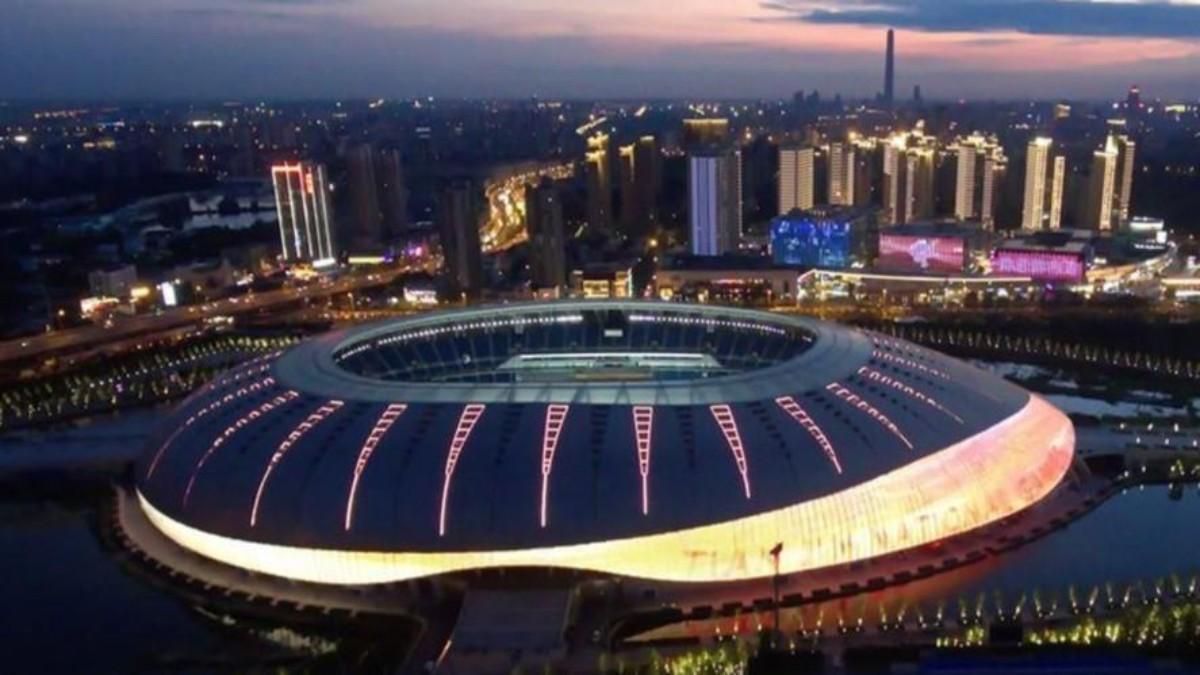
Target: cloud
column 1093, row 18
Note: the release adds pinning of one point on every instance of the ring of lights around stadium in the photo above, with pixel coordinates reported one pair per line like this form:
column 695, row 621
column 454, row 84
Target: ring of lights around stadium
column 658, row 441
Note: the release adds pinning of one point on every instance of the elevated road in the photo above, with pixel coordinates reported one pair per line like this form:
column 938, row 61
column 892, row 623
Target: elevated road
column 31, row 350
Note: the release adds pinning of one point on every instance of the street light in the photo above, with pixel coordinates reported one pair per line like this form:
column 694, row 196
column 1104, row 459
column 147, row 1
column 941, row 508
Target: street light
column 777, row 633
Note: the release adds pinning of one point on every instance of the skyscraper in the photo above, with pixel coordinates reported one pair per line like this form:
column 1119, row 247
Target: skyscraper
column 889, row 70
column 393, row 193
column 1125, row 167
column 1037, row 154
column 639, row 173
column 1057, row 182
column 378, row 199
column 715, row 201
column 703, row 132
column 458, row 213
column 919, row 184
column 796, row 166
column 893, row 167
column 647, row 177
column 544, row 222
column 627, row 182
column 980, row 160
column 867, row 165
column 302, row 208
column 598, row 172
column 366, row 223
column 908, row 177
column 1098, row 212
column 841, row 174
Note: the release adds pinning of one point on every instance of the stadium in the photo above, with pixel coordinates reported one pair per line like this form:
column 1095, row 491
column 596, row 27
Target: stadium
column 664, row 442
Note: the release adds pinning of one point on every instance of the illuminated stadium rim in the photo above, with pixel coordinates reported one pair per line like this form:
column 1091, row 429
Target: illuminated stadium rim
column 833, row 354
column 979, row 480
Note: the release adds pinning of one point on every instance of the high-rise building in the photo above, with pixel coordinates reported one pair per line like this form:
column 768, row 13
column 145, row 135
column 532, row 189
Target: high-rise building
column 640, row 176
column 598, row 172
column 908, row 177
column 1037, row 156
column 919, row 184
column 366, row 223
column 1098, row 212
column 796, row 166
column 893, row 166
column 703, row 132
column 647, row 177
column 964, row 182
column 393, row 193
column 627, row 181
column 841, row 174
column 1125, row 168
column 458, row 215
column 867, row 165
column 1058, row 181
column 544, row 222
column 378, row 199
column 302, row 208
column 980, row 161
column 715, row 201
column 889, row 70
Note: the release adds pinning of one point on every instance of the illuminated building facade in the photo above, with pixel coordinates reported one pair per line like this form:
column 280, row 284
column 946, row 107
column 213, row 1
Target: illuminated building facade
column 302, row 207
column 599, row 281
column 1045, row 175
column 796, row 166
column 908, row 177
column 700, row 132
column 1040, row 265
column 841, row 174
column 916, row 253
column 660, row 441
column 598, row 169
column 980, row 163
column 715, row 201
column 1126, row 154
column 825, row 237
column 1101, row 194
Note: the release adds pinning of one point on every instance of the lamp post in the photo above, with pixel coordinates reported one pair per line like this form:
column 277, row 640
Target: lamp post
column 776, row 632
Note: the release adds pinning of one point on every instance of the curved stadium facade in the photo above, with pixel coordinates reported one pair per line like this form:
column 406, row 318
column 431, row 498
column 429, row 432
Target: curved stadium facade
column 658, row 441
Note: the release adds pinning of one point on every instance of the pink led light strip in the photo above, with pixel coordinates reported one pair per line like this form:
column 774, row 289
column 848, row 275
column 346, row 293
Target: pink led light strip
column 466, row 422
column 879, row 377
column 304, row 427
column 855, row 400
column 385, row 421
column 232, row 429
column 643, row 425
column 556, row 416
column 724, row 417
column 201, row 413
column 880, row 354
column 792, row 408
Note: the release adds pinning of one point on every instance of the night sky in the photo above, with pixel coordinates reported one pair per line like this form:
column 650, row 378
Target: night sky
column 161, row 49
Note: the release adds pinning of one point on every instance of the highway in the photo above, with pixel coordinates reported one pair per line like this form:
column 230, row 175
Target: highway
column 505, row 225
column 124, row 328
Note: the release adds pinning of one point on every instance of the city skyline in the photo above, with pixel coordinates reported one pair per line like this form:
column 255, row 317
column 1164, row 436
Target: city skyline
column 367, row 48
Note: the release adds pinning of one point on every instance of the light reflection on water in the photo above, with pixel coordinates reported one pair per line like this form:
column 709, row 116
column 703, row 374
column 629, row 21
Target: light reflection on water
column 1142, row 535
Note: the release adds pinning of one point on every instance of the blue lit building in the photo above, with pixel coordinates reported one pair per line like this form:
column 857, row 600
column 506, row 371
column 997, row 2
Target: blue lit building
column 823, row 237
